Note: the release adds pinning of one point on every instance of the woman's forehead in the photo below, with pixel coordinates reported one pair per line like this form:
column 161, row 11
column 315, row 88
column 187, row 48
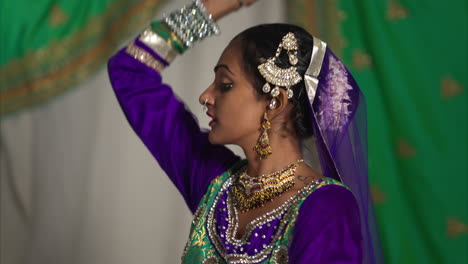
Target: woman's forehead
column 231, row 57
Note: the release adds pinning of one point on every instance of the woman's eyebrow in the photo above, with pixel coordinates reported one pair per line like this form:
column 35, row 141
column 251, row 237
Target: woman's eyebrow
column 217, row 67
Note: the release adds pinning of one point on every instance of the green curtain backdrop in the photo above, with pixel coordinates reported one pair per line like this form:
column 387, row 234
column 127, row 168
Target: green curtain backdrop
column 410, row 59
column 49, row 46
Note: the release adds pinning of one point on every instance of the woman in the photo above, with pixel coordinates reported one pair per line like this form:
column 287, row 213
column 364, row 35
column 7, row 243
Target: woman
column 277, row 91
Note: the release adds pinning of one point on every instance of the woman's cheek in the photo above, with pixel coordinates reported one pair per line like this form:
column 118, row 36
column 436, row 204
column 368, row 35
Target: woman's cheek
column 219, row 133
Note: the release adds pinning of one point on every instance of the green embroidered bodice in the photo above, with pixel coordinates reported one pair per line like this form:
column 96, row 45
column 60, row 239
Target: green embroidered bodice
column 212, row 242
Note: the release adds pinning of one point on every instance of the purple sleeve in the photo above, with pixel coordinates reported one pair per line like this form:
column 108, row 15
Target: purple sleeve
column 167, row 128
column 327, row 228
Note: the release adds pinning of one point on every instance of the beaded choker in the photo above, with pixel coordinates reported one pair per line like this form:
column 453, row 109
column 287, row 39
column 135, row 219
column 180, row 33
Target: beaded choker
column 253, row 192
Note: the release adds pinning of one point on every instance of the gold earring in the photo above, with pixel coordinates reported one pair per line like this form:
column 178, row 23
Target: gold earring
column 263, row 147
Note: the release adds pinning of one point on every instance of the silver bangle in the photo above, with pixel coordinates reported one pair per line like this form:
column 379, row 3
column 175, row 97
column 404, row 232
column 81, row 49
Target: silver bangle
column 158, row 44
column 192, row 23
column 144, row 57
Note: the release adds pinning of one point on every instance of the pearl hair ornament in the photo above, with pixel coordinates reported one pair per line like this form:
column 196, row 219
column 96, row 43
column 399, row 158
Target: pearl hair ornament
column 281, row 77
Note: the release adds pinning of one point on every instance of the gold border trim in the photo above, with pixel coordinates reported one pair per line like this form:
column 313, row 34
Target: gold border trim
column 144, row 57
column 331, row 25
column 62, row 73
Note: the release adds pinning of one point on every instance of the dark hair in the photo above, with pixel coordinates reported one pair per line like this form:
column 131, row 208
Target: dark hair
column 260, row 43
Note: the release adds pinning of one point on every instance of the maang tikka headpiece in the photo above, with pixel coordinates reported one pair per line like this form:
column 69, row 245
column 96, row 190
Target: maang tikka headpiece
column 280, row 77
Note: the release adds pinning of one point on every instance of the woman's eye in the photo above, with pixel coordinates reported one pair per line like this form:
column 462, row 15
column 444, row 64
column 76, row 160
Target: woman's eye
column 225, row 86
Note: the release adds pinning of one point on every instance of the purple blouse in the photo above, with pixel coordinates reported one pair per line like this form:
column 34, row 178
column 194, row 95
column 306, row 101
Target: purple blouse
column 327, row 228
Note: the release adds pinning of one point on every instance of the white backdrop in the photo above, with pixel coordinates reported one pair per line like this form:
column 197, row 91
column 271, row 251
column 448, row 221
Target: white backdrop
column 77, row 185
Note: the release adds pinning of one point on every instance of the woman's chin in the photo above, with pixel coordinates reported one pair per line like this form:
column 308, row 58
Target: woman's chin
column 214, row 138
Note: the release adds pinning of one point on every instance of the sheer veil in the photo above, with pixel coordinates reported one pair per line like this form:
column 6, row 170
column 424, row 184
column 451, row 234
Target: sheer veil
column 338, row 116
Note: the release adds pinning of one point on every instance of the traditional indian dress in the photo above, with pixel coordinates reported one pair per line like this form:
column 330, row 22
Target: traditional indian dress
column 325, row 222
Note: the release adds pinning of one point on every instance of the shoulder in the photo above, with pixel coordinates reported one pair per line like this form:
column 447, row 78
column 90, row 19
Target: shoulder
column 330, row 190
column 331, row 207
column 330, row 198
column 327, row 228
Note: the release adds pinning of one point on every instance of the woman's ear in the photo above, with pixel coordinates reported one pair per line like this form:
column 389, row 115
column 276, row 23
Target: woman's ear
column 278, row 104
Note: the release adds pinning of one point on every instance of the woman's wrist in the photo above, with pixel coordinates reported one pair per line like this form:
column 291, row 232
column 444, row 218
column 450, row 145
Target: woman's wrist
column 179, row 30
column 192, row 23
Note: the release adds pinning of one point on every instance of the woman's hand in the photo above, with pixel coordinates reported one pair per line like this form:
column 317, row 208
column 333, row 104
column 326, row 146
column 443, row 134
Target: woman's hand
column 220, row 8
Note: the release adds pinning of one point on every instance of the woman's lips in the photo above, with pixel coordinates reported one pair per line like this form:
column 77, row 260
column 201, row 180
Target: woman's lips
column 213, row 121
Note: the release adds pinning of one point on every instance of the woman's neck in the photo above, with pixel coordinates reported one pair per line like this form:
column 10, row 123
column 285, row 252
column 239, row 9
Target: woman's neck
column 285, row 151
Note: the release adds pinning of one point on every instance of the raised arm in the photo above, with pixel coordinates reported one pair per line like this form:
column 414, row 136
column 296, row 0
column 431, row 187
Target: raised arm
column 159, row 118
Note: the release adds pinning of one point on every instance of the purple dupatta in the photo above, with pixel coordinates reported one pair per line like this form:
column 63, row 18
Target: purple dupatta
column 339, row 119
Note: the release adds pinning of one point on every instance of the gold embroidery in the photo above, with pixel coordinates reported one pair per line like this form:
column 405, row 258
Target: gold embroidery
column 257, row 222
column 455, row 227
column 50, row 74
column 281, row 255
column 450, row 88
column 396, row 11
column 361, row 60
column 325, row 21
column 378, row 196
column 198, row 236
column 35, row 58
column 198, row 239
column 334, row 19
column 211, row 260
column 213, row 248
column 404, row 149
column 57, row 16
column 310, row 21
column 290, row 205
column 299, row 13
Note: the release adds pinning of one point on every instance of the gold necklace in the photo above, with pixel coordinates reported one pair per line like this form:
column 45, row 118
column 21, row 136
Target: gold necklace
column 253, row 192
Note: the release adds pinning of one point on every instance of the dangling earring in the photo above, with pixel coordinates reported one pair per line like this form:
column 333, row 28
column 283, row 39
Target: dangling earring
column 263, row 147
column 273, row 104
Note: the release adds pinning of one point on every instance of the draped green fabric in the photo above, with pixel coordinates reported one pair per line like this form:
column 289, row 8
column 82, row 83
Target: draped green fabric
column 49, row 46
column 410, row 59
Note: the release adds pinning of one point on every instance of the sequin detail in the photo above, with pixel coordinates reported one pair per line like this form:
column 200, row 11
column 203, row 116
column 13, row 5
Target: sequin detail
column 262, row 242
column 281, row 255
column 282, row 213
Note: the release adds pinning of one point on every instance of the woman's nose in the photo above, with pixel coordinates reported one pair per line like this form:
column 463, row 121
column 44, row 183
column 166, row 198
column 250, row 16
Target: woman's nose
column 206, row 97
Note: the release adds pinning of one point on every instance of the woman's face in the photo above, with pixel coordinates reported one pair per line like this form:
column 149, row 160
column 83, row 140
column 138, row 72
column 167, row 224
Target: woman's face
column 232, row 102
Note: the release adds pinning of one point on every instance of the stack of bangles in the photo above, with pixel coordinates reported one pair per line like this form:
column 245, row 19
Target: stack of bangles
column 160, row 43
